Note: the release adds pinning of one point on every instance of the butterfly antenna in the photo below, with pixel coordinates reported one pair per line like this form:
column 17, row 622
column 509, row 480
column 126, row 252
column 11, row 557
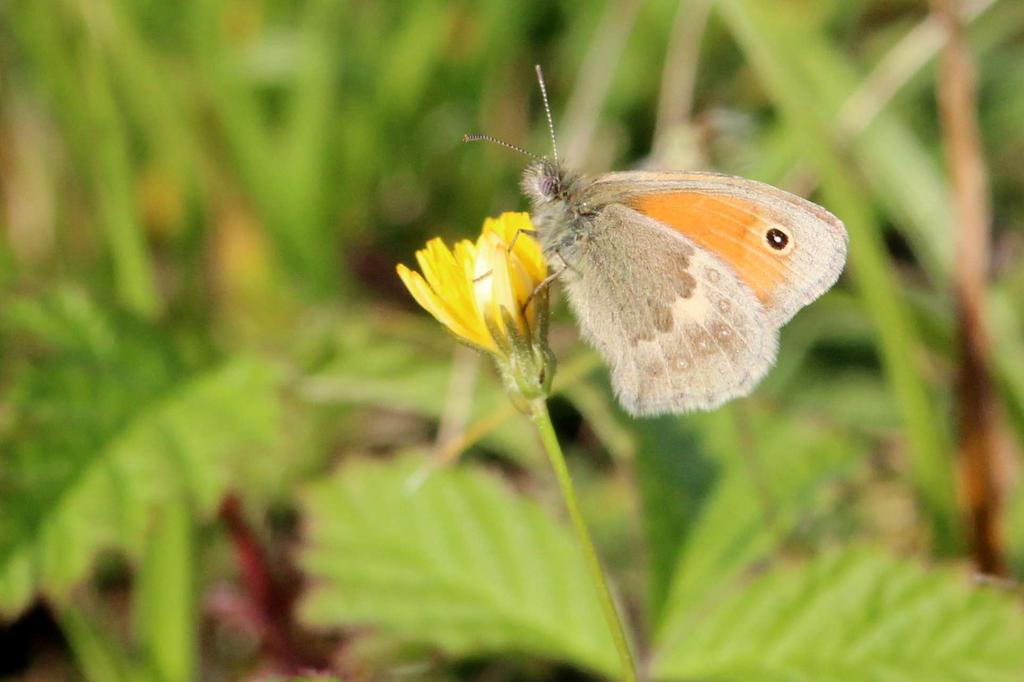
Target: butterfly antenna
column 547, row 109
column 506, row 145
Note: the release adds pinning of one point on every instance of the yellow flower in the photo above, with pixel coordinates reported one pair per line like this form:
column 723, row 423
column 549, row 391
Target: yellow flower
column 468, row 288
column 487, row 293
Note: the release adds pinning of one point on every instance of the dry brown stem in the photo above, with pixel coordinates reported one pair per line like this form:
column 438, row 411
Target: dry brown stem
column 977, row 418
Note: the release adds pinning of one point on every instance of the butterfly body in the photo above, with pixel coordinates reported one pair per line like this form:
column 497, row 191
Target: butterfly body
column 682, row 279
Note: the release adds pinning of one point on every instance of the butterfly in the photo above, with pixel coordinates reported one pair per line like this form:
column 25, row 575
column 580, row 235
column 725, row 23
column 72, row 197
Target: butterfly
column 680, row 279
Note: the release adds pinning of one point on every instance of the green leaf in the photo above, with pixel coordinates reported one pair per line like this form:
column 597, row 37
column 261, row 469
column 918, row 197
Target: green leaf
column 675, row 476
column 113, row 174
column 460, row 563
column 847, row 617
column 110, row 428
column 767, row 468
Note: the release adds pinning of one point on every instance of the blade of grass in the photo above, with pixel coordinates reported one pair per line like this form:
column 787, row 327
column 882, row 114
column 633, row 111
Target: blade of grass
column 233, row 105
column 583, row 109
column 899, row 170
column 263, row 163
column 165, row 595
column 768, row 40
column 153, row 100
column 113, row 174
column 99, row 657
column 917, row 48
column 679, row 74
column 303, row 185
column 77, row 78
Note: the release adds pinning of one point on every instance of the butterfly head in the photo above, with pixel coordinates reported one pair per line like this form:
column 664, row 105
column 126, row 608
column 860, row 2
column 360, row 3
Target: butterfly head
column 553, row 192
column 545, row 181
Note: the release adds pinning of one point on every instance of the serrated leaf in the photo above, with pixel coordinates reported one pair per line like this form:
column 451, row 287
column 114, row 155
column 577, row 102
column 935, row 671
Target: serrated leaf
column 106, row 501
column 110, row 427
column 460, row 563
column 849, row 616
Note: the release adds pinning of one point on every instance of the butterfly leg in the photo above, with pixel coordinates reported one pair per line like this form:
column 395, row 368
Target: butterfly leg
column 565, row 264
column 512, row 244
column 542, row 285
column 557, row 268
column 508, row 249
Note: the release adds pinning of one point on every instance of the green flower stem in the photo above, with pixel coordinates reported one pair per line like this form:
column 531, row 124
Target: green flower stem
column 541, row 417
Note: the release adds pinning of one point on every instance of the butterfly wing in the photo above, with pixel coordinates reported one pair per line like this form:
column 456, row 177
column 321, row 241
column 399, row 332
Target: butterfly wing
column 679, row 329
column 787, row 250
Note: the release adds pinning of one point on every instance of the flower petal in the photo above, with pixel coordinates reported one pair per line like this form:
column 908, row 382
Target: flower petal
column 433, row 302
column 477, row 289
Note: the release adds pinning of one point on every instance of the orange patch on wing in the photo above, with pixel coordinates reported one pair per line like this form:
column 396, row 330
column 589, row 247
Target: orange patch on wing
column 729, row 227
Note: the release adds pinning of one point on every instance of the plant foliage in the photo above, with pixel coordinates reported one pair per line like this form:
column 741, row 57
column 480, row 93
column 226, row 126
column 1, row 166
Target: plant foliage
column 464, row 565
column 459, row 562
column 110, row 428
column 848, row 616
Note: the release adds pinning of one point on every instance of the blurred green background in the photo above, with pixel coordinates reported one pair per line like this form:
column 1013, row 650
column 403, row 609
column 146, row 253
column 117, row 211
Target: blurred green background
column 217, row 401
